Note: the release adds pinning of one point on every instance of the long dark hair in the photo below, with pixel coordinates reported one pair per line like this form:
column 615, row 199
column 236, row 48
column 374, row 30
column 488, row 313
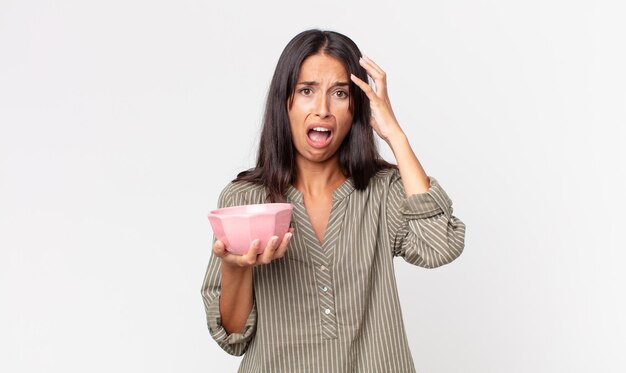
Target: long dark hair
column 358, row 156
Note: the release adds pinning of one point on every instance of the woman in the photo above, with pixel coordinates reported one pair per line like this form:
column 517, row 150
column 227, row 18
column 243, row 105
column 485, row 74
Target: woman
column 325, row 298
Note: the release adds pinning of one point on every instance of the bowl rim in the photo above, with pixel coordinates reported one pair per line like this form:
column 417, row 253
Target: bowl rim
column 216, row 212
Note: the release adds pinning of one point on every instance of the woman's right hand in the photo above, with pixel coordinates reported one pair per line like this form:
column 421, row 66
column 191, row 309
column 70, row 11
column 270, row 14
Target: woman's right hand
column 273, row 250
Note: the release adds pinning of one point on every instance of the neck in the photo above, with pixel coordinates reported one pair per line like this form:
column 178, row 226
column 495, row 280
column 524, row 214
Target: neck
column 315, row 178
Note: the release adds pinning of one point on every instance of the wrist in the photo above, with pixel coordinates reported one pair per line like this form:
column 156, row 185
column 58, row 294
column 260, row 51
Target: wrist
column 396, row 138
column 233, row 269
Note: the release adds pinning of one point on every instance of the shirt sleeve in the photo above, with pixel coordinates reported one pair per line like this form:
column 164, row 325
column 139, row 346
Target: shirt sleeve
column 233, row 343
column 422, row 227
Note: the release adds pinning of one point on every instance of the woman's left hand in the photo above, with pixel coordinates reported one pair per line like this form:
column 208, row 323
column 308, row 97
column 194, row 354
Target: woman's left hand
column 383, row 120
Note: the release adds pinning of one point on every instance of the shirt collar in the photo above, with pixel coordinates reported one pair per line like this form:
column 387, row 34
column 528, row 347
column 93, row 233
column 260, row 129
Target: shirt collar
column 344, row 190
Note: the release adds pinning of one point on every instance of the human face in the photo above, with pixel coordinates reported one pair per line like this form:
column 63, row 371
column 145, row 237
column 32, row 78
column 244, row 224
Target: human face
column 319, row 113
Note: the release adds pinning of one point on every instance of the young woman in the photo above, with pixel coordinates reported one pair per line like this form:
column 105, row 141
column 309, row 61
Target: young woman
column 325, row 298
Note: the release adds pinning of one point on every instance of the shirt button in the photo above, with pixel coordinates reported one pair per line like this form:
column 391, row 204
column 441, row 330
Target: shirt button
column 324, row 288
column 323, row 268
column 327, row 311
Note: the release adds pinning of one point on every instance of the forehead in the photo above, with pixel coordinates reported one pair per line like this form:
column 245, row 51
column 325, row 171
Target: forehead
column 320, row 67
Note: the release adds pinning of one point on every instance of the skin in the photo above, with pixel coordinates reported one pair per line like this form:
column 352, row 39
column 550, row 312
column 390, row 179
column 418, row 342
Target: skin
column 384, row 123
column 321, row 99
column 318, row 169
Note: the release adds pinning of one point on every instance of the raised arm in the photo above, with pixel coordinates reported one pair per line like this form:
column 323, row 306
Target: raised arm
column 422, row 227
column 384, row 123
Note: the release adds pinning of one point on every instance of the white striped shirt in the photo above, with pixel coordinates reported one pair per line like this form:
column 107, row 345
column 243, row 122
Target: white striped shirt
column 334, row 307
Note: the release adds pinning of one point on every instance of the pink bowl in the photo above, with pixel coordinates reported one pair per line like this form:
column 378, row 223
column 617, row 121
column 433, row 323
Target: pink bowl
column 238, row 226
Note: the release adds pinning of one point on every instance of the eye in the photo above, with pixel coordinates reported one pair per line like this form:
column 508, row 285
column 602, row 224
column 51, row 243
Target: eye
column 306, row 91
column 341, row 94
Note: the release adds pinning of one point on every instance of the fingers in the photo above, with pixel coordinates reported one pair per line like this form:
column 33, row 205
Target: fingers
column 268, row 254
column 250, row 258
column 273, row 250
column 369, row 91
column 380, row 71
column 219, row 249
column 280, row 251
column 376, row 73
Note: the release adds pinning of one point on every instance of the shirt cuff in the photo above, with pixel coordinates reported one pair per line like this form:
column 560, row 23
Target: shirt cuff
column 220, row 334
column 430, row 203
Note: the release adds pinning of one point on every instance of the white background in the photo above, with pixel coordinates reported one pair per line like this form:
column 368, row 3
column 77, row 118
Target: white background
column 120, row 122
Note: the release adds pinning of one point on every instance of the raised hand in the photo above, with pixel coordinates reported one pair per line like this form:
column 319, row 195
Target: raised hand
column 383, row 120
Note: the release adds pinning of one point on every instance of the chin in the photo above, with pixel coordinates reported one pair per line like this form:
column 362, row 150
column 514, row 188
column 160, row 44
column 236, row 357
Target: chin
column 319, row 157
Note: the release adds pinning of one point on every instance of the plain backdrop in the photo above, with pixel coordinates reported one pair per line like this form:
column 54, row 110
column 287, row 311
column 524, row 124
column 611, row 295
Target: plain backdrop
column 120, row 122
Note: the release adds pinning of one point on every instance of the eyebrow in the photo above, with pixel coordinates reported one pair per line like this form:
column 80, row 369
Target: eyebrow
column 314, row 83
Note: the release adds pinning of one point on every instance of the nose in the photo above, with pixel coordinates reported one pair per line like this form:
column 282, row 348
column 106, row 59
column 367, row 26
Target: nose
column 322, row 109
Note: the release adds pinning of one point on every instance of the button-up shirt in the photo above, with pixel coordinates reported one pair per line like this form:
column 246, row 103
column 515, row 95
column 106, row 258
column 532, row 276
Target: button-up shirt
column 333, row 306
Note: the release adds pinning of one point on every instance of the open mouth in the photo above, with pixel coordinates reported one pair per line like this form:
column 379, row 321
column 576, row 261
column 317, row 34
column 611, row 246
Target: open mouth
column 319, row 136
